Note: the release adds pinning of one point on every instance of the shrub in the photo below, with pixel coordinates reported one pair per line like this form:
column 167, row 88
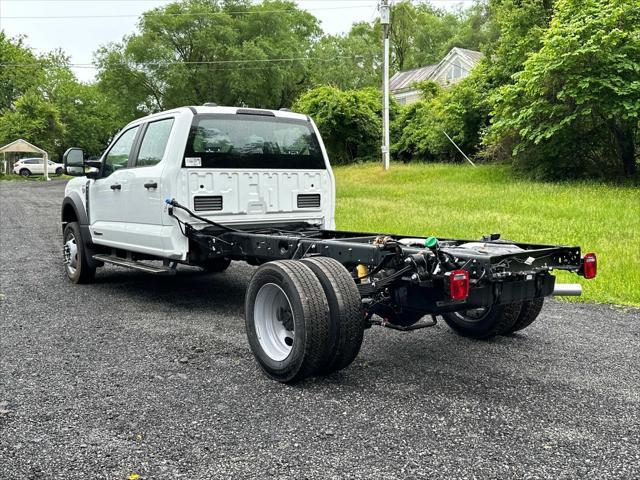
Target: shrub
column 574, row 109
column 350, row 121
column 462, row 112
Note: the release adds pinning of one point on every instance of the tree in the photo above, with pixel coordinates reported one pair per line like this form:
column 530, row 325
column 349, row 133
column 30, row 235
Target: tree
column 19, row 70
column 43, row 102
column 350, row 121
column 350, row 61
column 515, row 29
column 574, row 109
column 231, row 52
column 34, row 119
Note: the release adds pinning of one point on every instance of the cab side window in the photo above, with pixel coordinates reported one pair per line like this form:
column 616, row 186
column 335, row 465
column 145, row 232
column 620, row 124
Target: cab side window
column 154, row 143
column 118, row 156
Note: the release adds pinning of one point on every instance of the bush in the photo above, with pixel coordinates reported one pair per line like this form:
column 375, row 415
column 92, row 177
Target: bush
column 462, row 112
column 574, row 109
column 350, row 121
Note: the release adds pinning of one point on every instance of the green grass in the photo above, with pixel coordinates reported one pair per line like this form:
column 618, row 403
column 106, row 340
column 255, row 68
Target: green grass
column 33, row 178
column 466, row 202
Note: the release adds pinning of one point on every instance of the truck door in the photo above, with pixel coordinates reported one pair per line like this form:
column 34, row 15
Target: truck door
column 106, row 194
column 143, row 202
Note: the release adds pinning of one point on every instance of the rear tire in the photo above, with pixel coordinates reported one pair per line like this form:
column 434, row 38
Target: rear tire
column 58, row 171
column 287, row 320
column 492, row 321
column 25, row 172
column 528, row 313
column 75, row 255
column 346, row 324
column 216, row 265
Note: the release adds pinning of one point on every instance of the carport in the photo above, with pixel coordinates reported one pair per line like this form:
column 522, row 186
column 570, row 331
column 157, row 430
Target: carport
column 22, row 146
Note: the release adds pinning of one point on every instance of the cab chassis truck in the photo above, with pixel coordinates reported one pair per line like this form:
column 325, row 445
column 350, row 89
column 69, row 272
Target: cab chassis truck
column 208, row 185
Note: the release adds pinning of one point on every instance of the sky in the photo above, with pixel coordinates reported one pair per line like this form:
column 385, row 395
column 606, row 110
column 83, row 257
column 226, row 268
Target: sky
column 47, row 26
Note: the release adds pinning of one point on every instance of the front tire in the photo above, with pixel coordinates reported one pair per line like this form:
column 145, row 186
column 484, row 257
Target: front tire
column 287, row 320
column 25, row 172
column 485, row 322
column 75, row 255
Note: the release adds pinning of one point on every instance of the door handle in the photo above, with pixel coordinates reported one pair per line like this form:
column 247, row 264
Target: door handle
column 150, row 185
column 116, row 186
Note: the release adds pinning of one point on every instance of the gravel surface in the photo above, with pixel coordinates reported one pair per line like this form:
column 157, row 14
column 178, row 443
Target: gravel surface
column 153, row 376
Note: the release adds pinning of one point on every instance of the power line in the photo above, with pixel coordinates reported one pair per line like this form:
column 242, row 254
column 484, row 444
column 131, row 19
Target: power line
column 200, row 14
column 45, row 62
column 185, row 14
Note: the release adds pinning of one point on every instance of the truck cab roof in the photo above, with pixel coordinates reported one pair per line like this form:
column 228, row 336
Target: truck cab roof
column 206, row 109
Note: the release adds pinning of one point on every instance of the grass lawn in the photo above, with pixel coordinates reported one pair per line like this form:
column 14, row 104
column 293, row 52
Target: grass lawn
column 466, row 202
column 32, row 178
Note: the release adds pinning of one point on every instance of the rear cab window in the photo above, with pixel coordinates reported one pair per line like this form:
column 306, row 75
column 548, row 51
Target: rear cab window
column 253, row 142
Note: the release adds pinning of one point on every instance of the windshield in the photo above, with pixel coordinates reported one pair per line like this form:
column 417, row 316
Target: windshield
column 252, row 141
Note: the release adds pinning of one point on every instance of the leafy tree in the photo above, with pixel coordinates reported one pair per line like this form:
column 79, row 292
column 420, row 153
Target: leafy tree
column 574, row 109
column 350, row 61
column 19, row 70
column 515, row 29
column 350, row 121
column 197, row 51
column 34, row 119
column 473, row 28
column 45, row 104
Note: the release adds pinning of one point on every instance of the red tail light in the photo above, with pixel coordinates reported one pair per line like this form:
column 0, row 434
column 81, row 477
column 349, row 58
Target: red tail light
column 459, row 284
column 589, row 266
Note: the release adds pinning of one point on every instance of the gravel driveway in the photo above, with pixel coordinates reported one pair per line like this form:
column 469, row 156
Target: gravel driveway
column 147, row 375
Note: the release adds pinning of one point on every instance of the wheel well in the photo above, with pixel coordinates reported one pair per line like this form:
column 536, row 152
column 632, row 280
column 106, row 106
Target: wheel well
column 68, row 215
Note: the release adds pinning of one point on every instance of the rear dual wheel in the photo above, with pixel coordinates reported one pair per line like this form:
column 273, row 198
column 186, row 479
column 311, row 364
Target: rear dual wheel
column 487, row 322
column 303, row 318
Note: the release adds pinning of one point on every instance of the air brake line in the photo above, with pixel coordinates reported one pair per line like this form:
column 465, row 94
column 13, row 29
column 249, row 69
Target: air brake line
column 174, row 203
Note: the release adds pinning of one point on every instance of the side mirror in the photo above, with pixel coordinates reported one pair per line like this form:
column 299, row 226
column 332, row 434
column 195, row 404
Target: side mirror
column 73, row 162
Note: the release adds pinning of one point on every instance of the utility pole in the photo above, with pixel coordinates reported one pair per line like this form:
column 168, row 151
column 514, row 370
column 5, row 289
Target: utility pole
column 385, row 21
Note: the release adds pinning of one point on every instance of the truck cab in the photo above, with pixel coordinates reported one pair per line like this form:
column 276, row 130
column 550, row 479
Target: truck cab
column 236, row 166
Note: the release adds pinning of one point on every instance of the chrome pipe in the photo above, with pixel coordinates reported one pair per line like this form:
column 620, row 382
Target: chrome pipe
column 567, row 290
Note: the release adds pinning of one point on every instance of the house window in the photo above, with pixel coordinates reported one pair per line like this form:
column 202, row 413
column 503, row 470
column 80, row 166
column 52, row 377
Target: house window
column 455, row 71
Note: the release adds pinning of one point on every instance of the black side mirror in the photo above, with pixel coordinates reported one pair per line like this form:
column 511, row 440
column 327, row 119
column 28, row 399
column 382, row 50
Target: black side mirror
column 73, row 162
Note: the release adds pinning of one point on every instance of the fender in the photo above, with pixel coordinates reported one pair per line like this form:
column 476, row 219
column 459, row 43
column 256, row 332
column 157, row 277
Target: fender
column 73, row 201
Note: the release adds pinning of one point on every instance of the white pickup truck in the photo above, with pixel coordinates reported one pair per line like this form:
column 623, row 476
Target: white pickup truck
column 208, row 185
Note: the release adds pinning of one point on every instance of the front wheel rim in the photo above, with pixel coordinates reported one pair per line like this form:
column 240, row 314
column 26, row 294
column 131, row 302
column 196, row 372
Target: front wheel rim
column 70, row 253
column 274, row 322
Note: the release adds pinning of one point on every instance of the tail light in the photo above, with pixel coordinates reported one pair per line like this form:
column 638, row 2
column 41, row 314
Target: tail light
column 459, row 284
column 589, row 266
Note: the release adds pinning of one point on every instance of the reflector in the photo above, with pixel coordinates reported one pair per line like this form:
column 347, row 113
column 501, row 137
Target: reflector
column 459, row 284
column 589, row 266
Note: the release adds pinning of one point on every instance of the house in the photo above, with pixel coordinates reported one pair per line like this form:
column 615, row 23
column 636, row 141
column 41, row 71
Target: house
column 451, row 69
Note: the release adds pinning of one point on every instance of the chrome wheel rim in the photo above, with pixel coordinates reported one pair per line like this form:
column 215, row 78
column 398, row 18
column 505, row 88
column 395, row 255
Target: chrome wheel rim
column 274, row 322
column 70, row 253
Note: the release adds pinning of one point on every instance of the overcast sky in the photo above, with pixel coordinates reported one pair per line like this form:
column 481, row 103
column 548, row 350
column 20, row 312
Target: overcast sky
column 109, row 20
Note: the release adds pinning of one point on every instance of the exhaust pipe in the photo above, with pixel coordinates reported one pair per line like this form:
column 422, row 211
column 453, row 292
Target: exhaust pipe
column 567, row 290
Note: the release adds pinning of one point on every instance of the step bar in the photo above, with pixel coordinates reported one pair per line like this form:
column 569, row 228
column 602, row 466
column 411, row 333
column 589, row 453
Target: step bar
column 124, row 262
